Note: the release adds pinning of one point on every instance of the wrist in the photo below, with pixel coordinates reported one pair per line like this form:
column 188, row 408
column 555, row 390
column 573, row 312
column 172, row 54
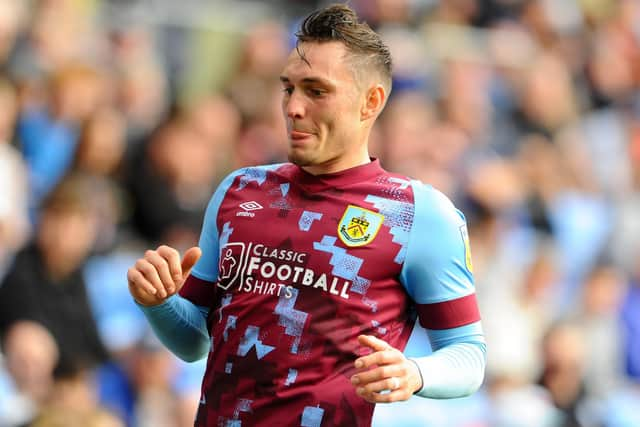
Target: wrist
column 419, row 384
column 152, row 305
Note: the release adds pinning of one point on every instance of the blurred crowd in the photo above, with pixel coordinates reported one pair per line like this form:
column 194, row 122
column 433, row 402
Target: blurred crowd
column 119, row 118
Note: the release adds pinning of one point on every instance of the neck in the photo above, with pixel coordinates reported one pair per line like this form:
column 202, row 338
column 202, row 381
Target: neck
column 337, row 164
column 359, row 155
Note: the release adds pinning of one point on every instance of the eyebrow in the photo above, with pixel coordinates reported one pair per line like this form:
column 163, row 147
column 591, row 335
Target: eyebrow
column 309, row 80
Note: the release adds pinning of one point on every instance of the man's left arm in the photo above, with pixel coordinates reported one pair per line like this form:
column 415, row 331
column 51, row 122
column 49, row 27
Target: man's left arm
column 437, row 274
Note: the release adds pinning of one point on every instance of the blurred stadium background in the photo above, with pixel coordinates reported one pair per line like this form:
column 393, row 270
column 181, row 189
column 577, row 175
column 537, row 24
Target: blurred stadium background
column 118, row 118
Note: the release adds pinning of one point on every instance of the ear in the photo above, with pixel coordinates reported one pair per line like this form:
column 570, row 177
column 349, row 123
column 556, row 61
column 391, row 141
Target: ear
column 374, row 101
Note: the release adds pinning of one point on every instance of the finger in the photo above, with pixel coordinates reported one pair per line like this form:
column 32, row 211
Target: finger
column 162, row 268
column 377, row 374
column 138, row 282
column 189, row 260
column 142, row 295
column 172, row 257
column 390, row 384
column 373, row 342
column 151, row 275
column 394, row 396
column 385, row 357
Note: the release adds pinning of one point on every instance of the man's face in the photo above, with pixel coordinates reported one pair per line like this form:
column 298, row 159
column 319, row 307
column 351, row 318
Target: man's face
column 321, row 106
column 66, row 238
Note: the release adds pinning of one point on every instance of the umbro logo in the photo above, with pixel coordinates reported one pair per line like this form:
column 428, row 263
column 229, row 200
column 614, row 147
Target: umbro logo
column 248, row 207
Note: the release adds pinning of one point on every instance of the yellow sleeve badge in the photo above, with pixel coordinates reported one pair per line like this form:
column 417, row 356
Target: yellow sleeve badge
column 467, row 247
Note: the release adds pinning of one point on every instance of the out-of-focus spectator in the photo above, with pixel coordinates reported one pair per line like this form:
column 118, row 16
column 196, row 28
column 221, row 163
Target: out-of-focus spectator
column 26, row 379
column 205, row 116
column 263, row 52
column 465, row 98
column 100, row 156
column 73, row 401
column 599, row 318
column 46, row 46
column 140, row 81
column 152, row 372
column 517, row 316
column 563, row 374
column 631, row 330
column 259, row 143
column 102, row 143
column 49, row 134
column 12, row 17
column 255, row 90
column 517, row 403
column 547, row 97
column 143, row 377
column 539, row 169
column 405, row 126
column 14, row 219
column 172, row 182
column 45, row 283
column 619, row 408
column 66, row 418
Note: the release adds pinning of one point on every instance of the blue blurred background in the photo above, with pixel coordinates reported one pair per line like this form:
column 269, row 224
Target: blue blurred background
column 119, row 117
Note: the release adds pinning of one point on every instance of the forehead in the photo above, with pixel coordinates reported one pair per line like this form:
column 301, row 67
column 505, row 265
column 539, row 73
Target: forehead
column 326, row 60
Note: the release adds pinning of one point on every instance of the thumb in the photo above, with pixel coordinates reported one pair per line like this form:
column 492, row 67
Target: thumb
column 191, row 256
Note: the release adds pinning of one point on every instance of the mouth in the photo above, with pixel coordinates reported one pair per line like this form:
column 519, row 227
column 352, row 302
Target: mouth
column 297, row 135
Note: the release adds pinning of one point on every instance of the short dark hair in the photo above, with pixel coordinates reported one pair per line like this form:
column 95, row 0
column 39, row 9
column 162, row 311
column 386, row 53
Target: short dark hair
column 338, row 22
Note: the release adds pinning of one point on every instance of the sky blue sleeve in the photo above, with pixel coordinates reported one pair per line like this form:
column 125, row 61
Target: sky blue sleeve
column 437, row 266
column 437, row 274
column 181, row 326
column 212, row 238
column 207, row 266
column 180, row 322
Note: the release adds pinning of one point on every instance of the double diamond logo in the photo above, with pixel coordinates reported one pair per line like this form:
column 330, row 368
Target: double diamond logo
column 248, row 207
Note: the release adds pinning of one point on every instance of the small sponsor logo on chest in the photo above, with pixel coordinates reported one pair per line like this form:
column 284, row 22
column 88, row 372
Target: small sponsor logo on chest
column 248, row 208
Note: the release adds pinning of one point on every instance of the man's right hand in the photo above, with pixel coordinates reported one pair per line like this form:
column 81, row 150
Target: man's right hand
column 160, row 274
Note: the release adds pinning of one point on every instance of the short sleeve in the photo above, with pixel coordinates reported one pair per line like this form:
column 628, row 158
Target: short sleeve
column 200, row 286
column 437, row 272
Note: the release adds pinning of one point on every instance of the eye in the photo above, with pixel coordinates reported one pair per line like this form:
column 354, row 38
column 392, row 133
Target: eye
column 288, row 90
column 316, row 92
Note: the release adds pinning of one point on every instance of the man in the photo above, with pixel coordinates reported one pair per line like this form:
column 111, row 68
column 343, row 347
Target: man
column 309, row 275
column 45, row 284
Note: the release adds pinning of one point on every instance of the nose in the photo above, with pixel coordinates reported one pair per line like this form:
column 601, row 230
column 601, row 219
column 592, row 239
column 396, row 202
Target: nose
column 293, row 105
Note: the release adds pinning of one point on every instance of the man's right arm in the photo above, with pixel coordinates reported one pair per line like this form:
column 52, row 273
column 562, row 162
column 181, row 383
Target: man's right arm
column 181, row 326
column 153, row 282
column 179, row 319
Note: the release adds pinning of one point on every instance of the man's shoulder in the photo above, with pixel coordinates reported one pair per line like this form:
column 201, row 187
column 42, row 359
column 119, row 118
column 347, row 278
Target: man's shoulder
column 423, row 193
column 257, row 171
column 265, row 167
column 433, row 205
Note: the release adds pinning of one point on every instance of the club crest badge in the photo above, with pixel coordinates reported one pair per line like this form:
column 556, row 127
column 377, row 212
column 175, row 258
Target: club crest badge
column 359, row 226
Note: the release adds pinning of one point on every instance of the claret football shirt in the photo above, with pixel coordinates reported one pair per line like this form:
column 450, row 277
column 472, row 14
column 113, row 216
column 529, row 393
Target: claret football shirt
column 296, row 266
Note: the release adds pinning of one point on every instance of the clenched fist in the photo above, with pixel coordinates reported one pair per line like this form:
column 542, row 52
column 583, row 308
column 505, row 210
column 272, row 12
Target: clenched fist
column 160, row 274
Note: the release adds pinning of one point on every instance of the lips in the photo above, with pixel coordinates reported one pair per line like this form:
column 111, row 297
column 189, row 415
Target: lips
column 297, row 134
